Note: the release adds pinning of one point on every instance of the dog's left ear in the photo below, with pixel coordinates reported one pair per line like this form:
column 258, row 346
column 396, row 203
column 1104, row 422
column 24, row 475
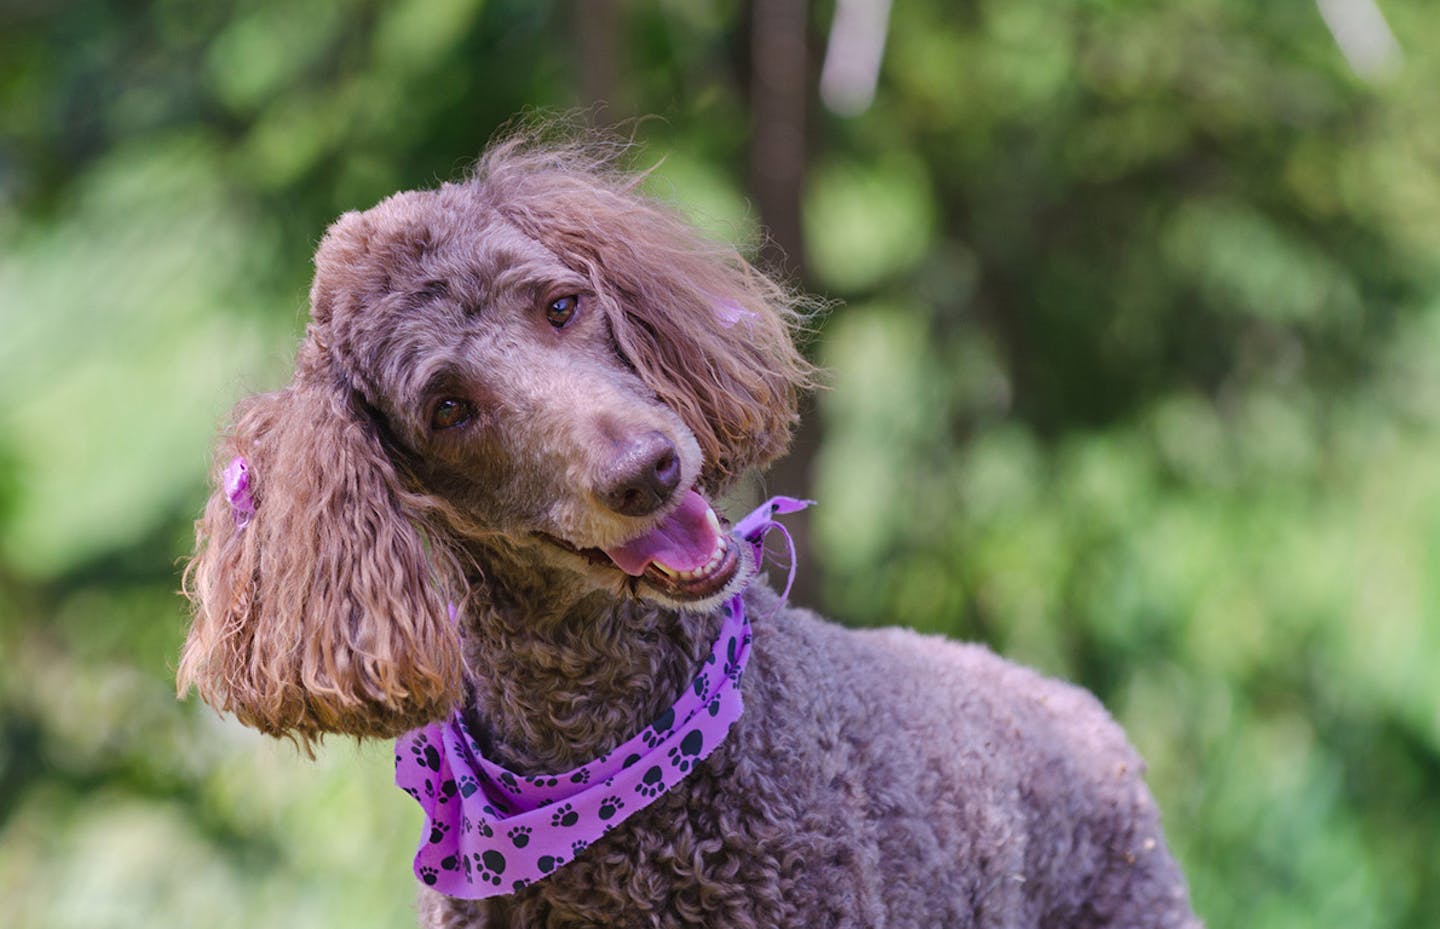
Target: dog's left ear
column 707, row 332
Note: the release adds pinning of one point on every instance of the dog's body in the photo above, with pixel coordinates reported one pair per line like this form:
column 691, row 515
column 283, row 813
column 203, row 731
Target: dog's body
column 515, row 398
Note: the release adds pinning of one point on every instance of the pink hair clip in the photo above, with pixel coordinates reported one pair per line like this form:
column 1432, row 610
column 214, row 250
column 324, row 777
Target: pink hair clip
column 237, row 490
column 728, row 312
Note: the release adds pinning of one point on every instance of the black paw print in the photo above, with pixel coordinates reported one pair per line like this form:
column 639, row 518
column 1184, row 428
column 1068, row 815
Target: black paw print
column 684, row 755
column 521, row 884
column 714, row 707
column 438, row 831
column 578, row 846
column 413, row 792
column 732, row 665
column 519, row 836
column 701, row 683
column 581, row 777
column 507, row 780
column 610, row 806
column 448, row 790
column 548, row 863
column 489, row 866
column 468, row 785
column 429, row 876
column 452, row 863
column 541, row 781
column 564, row 816
column 426, row 755
column 630, row 759
column 660, row 728
column 483, row 827
column 651, row 785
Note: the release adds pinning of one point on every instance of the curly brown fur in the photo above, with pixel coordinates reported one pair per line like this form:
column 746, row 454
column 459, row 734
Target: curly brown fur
column 503, row 378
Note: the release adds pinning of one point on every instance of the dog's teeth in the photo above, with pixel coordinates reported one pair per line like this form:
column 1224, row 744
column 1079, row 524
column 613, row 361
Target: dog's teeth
column 712, row 519
column 666, row 569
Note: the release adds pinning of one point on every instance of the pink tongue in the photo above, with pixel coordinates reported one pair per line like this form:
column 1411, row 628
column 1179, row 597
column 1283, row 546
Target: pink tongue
column 683, row 542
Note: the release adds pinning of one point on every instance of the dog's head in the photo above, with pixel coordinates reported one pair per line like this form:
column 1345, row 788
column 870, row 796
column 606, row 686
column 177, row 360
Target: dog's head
column 538, row 361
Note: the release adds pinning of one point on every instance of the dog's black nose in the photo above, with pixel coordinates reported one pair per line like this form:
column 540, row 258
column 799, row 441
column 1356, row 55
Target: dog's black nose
column 643, row 476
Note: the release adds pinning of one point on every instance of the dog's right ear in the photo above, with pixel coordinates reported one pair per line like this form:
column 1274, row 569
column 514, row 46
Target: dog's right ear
column 326, row 610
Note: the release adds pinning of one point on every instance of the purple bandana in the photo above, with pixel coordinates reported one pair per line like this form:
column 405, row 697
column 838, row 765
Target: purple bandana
column 489, row 831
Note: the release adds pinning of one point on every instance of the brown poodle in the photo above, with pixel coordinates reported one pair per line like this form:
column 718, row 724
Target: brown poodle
column 512, row 391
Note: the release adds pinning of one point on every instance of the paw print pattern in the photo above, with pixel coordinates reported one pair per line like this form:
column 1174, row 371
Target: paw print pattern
column 483, row 827
column 438, row 831
column 540, row 781
column 489, row 866
column 426, row 755
column 652, row 783
column 565, row 816
column 548, row 863
column 519, row 836
column 578, row 846
column 429, row 876
column 660, row 728
column 581, row 777
column 507, row 780
column 732, row 664
column 702, row 683
column 468, row 785
column 448, row 790
column 520, row 884
column 610, row 806
column 685, row 755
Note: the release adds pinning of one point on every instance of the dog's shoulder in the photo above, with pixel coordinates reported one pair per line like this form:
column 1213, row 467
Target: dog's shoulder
column 954, row 714
column 952, row 747
column 933, row 682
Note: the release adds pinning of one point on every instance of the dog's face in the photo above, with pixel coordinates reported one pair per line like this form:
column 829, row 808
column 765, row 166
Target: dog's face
column 494, row 365
column 538, row 362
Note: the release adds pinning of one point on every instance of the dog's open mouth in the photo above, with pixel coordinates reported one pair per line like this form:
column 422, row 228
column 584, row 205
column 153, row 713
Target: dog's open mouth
column 687, row 557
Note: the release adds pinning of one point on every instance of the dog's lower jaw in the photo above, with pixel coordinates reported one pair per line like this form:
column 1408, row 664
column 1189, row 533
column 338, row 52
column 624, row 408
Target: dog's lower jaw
column 744, row 572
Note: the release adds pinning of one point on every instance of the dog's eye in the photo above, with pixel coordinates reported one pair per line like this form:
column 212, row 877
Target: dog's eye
column 561, row 311
column 449, row 413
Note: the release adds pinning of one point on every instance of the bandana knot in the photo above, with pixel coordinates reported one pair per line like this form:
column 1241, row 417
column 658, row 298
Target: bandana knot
column 489, row 831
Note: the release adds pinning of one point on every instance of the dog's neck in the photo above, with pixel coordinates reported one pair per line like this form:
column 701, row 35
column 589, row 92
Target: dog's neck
column 556, row 682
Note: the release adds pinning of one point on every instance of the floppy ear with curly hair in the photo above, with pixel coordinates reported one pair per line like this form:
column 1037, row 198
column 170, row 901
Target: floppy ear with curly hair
column 706, row 331
column 328, row 610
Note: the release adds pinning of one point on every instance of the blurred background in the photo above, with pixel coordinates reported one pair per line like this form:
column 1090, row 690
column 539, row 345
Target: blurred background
column 1135, row 367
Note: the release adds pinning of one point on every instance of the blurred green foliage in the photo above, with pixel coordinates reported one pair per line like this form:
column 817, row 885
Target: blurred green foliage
column 1133, row 378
